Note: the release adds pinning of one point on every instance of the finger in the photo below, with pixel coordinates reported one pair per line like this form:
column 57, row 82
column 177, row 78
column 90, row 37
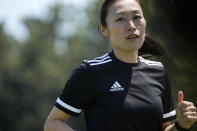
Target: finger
column 187, row 103
column 188, row 114
column 180, row 97
column 192, row 118
column 190, row 108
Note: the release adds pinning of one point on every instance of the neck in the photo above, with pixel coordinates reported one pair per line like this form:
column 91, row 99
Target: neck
column 126, row 56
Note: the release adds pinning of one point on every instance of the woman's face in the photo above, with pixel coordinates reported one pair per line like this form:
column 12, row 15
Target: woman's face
column 126, row 25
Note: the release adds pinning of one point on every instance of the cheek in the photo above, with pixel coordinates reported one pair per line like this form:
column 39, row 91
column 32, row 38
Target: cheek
column 116, row 30
column 142, row 29
column 142, row 26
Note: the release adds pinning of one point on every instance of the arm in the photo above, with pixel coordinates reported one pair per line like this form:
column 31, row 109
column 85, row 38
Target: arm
column 168, row 126
column 56, row 121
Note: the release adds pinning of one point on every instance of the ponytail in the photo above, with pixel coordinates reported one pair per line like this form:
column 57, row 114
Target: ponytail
column 152, row 47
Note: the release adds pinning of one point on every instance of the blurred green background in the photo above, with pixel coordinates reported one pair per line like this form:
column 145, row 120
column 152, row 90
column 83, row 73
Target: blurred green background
column 33, row 71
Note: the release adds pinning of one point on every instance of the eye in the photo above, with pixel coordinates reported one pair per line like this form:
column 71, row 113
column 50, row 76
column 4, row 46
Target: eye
column 137, row 17
column 121, row 19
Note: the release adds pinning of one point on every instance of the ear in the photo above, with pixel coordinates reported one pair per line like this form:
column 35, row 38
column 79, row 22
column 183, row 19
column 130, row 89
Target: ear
column 103, row 30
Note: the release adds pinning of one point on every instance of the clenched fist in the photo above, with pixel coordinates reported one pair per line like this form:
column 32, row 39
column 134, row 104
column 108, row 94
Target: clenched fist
column 186, row 112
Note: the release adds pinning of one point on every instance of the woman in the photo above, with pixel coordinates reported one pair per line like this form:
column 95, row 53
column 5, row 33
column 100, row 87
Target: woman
column 122, row 91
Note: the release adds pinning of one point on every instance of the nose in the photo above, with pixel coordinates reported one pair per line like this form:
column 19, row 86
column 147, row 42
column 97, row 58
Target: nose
column 131, row 26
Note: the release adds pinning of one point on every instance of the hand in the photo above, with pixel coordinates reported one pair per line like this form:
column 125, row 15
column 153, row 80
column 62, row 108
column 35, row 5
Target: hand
column 186, row 112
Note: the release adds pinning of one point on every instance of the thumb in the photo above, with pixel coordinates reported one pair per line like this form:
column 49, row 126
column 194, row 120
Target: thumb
column 180, row 97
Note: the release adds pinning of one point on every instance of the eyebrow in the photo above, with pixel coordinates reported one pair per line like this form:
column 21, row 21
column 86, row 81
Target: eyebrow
column 125, row 12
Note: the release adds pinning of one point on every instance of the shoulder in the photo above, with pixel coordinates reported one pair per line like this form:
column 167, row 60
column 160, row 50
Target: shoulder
column 152, row 66
column 155, row 67
column 99, row 61
column 88, row 67
column 151, row 63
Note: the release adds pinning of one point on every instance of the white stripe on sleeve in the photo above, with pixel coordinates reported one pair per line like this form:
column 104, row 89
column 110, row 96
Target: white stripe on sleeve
column 172, row 113
column 99, row 63
column 68, row 106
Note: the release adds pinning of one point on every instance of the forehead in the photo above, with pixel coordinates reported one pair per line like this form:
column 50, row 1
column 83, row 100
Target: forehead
column 122, row 6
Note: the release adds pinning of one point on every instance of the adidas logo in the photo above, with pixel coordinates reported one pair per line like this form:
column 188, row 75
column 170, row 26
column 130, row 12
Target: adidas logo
column 116, row 87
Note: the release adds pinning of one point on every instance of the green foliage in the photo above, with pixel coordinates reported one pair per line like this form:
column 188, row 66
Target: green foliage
column 33, row 72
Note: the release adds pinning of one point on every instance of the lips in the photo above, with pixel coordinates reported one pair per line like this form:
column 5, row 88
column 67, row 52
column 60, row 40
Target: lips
column 132, row 36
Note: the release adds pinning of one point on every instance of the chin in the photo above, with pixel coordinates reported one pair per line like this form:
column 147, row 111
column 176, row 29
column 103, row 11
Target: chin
column 133, row 47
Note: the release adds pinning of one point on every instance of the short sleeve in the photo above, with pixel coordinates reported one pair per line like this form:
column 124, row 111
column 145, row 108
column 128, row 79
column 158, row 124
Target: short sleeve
column 78, row 93
column 169, row 112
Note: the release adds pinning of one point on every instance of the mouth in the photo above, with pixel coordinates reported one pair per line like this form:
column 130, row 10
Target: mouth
column 132, row 37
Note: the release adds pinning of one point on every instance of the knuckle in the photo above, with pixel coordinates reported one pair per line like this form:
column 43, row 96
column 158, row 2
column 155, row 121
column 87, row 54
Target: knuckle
column 191, row 108
column 192, row 104
column 193, row 114
column 188, row 103
column 188, row 117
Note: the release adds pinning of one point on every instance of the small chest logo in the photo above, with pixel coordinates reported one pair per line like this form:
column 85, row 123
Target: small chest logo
column 116, row 87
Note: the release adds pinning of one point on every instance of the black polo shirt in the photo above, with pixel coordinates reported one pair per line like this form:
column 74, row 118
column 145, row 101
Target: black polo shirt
column 118, row 96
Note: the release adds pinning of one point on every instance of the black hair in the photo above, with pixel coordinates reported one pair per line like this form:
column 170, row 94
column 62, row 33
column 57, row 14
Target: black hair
column 150, row 45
